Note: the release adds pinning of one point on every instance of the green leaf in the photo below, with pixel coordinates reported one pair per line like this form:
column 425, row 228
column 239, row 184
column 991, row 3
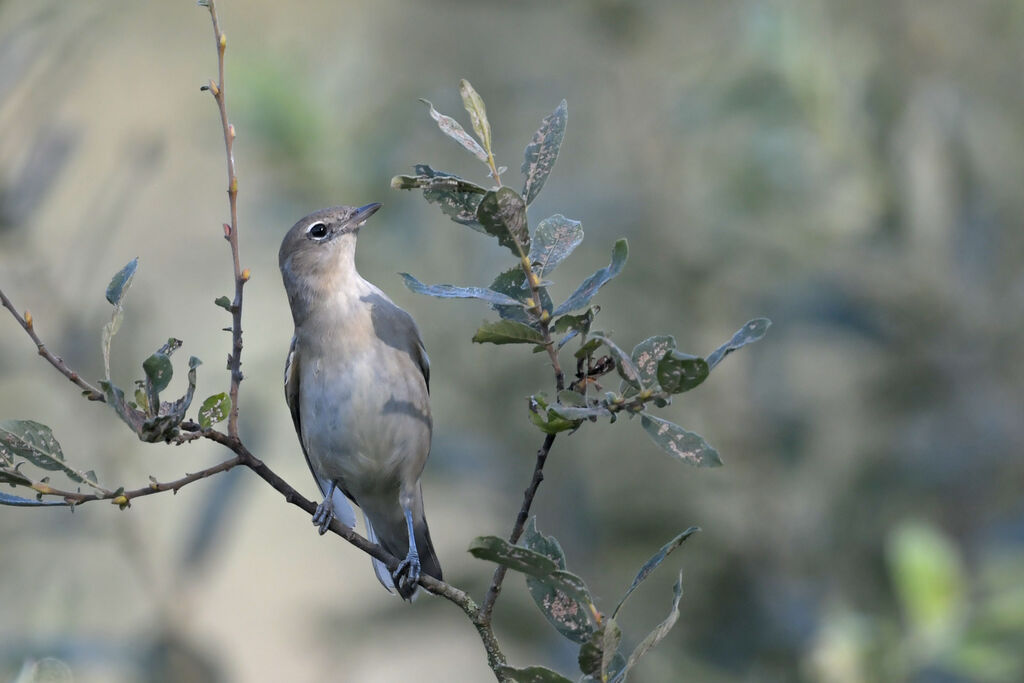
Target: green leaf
column 674, row 440
column 507, row 332
column 223, row 302
column 474, row 104
column 17, row 501
column 657, row 635
column 512, row 283
column 457, row 198
column 532, row 674
column 749, row 333
column 452, row 292
column 646, row 356
column 555, row 238
column 588, row 348
column 652, row 564
column 580, row 323
column 623, row 363
column 929, row 579
column 214, row 409
column 586, row 291
column 520, row 559
column 540, row 155
column 578, row 413
column 120, row 283
column 679, row 372
column 455, row 131
column 158, row 371
column 546, row 419
column 569, row 616
column 502, row 213
column 33, row 441
column 596, row 655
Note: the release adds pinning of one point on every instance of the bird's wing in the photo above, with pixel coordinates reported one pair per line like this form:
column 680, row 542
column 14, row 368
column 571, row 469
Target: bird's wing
column 396, row 328
column 342, row 505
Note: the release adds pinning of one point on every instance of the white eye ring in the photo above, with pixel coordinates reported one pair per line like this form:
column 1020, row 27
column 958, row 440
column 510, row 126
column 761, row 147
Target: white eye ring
column 317, row 231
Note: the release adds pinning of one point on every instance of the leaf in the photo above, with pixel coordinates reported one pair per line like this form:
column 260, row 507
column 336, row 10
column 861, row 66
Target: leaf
column 569, row 616
column 588, row 348
column 679, row 372
column 579, row 412
column 223, row 302
column 749, row 333
column 507, row 332
column 546, row 419
column 502, row 213
column 531, row 563
column 540, row 155
column 455, row 131
column 578, row 323
column 532, row 674
column 555, row 238
column 646, row 356
column 452, row 292
column 158, row 371
column 33, row 441
column 586, row 291
column 657, row 635
column 474, row 104
column 457, row 198
column 17, row 501
column 623, row 363
column 512, row 283
column 214, row 409
column 596, row 655
column 120, row 283
column 929, row 579
column 674, row 440
column 652, row 564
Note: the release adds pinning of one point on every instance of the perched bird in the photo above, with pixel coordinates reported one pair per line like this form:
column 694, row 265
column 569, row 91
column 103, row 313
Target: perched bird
column 357, row 383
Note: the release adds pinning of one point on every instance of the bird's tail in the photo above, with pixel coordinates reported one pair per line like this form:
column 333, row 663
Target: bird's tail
column 393, row 536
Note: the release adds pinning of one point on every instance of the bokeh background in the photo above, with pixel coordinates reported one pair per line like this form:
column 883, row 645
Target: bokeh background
column 850, row 170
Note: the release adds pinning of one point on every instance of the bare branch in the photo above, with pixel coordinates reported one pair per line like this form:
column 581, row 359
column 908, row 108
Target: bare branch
column 26, row 322
column 241, row 276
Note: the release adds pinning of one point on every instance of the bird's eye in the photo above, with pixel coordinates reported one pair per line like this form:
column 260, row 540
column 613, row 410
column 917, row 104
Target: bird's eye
column 317, row 231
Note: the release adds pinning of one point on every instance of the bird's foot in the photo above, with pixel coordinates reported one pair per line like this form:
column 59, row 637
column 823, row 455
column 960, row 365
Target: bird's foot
column 408, row 571
column 323, row 515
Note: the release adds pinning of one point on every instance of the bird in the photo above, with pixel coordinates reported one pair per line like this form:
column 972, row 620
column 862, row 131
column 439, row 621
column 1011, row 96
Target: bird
column 357, row 383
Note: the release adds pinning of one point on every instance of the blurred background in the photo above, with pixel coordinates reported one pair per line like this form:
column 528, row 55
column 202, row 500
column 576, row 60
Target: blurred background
column 850, row 170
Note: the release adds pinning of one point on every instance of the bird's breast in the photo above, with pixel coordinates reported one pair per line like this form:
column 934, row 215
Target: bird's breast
column 364, row 408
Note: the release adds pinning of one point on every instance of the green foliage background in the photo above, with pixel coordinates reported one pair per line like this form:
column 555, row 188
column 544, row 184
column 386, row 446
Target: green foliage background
column 850, row 170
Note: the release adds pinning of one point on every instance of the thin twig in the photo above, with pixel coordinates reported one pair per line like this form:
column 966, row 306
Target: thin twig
column 494, row 590
column 217, row 90
column 123, row 498
column 26, row 322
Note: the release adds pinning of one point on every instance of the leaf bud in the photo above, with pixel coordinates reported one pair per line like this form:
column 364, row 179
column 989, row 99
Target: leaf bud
column 245, row 275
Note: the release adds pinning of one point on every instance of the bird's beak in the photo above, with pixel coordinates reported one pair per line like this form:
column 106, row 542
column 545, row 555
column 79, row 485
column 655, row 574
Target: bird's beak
column 362, row 214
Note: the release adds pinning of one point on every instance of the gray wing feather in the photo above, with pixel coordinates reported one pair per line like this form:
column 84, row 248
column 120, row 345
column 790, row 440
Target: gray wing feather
column 342, row 505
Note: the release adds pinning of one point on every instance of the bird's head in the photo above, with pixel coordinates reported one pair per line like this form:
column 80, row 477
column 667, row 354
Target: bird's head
column 321, row 246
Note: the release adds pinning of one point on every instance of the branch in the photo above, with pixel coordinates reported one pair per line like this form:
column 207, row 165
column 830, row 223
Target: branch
column 91, row 392
column 231, row 231
column 517, row 529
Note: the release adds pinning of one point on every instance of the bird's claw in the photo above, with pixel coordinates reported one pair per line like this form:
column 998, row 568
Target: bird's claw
column 408, row 571
column 323, row 515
